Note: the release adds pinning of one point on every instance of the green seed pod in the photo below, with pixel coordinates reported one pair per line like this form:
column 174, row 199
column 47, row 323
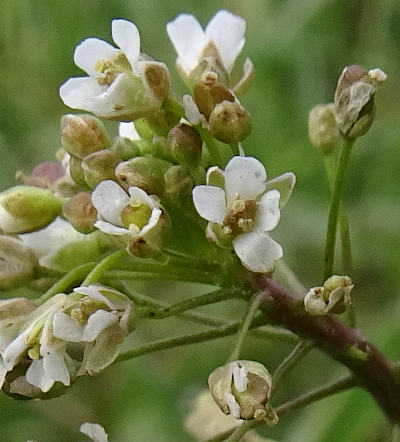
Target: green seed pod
column 26, row 208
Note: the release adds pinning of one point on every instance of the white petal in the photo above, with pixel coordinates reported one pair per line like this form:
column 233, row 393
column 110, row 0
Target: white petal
column 109, row 198
column 268, row 212
column 152, row 222
column 97, row 322
column 55, row 367
column 52, row 237
column 188, row 39
column 78, row 93
column 233, row 406
column 114, row 299
column 110, row 229
column 126, row 36
column 128, row 130
column 14, row 350
column 210, row 203
column 284, row 185
column 244, row 176
column 227, row 31
column 90, row 51
column 192, row 112
column 66, row 328
column 139, row 194
column 37, row 376
column 240, row 379
column 257, row 251
column 95, row 432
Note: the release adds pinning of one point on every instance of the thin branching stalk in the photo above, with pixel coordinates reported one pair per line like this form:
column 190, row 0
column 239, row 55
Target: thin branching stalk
column 107, row 263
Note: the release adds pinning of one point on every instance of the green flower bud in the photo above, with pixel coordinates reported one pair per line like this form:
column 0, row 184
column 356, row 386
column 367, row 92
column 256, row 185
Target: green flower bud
column 209, row 93
column 144, row 172
column 25, row 208
column 243, row 388
column 229, row 122
column 322, row 129
column 17, row 264
column 354, row 99
column 80, row 212
column 76, row 171
column 124, row 148
column 185, row 144
column 178, row 182
column 99, row 166
column 82, row 134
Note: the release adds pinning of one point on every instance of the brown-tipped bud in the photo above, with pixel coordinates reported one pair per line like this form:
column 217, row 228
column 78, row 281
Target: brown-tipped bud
column 322, row 128
column 354, row 99
column 208, row 94
column 185, row 144
column 25, row 209
column 99, row 166
column 144, row 172
column 156, row 76
column 178, row 182
column 80, row 212
column 229, row 122
column 76, row 171
column 82, row 134
column 124, row 148
column 17, row 264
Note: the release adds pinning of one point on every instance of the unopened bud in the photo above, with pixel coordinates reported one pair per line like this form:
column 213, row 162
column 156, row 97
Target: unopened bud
column 354, row 99
column 80, row 212
column 76, row 171
column 144, row 172
column 229, row 122
column 14, row 310
column 99, row 166
column 208, row 94
column 82, row 134
column 178, row 182
column 26, row 208
column 144, row 129
column 43, row 175
column 157, row 79
column 17, row 263
column 185, row 144
column 124, row 148
column 322, row 129
column 241, row 388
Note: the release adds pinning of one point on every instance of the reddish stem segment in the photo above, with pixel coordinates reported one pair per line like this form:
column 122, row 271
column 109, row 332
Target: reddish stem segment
column 374, row 372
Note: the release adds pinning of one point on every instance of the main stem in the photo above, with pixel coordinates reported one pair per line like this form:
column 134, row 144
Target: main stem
column 334, row 207
column 374, row 372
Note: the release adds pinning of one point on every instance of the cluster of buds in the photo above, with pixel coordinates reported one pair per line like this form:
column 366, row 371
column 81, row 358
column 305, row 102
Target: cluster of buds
column 332, row 297
column 352, row 112
column 43, row 349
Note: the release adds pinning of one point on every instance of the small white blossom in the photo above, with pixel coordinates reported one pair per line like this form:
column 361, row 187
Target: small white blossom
column 242, row 210
column 221, row 42
column 121, row 85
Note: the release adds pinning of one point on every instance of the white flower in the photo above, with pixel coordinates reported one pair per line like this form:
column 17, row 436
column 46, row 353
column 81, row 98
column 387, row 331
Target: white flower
column 123, row 214
column 241, row 206
column 222, row 41
column 121, row 85
column 95, row 431
column 60, row 247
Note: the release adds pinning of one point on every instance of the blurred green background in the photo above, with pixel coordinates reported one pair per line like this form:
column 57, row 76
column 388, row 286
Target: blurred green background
column 299, row 48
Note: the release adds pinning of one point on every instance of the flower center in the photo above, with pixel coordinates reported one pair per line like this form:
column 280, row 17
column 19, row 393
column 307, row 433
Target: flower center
column 135, row 215
column 240, row 219
column 111, row 68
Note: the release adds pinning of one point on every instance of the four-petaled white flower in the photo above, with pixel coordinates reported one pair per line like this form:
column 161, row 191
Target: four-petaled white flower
column 121, row 85
column 65, row 337
column 222, row 41
column 241, row 207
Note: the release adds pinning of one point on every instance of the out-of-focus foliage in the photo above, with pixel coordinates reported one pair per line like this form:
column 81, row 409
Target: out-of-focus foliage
column 299, row 48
